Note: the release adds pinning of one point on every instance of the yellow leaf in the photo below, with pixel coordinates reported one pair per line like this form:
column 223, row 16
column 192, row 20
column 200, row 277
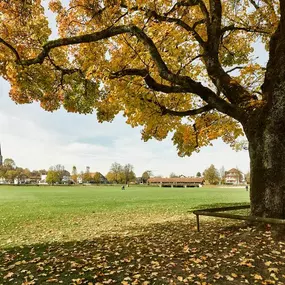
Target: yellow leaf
column 229, row 278
column 180, row 278
column 257, row 277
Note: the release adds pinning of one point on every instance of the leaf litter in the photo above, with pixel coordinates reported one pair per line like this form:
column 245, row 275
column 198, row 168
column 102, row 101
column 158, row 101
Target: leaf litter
column 163, row 253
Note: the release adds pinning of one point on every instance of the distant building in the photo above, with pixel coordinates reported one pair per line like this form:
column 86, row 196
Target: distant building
column 139, row 180
column 66, row 178
column 43, row 179
column 177, row 182
column 234, row 176
column 79, row 179
column 103, row 179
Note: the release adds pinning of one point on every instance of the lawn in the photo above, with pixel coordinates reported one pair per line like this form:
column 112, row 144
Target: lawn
column 143, row 235
column 43, row 214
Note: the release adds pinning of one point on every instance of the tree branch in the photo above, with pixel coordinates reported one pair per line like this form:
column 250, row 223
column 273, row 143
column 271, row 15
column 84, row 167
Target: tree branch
column 246, row 29
column 233, row 91
column 273, row 62
column 180, row 23
column 214, row 27
column 64, row 70
column 187, row 3
column 193, row 112
column 151, row 83
column 282, row 12
column 202, row 21
column 254, row 4
column 11, row 48
column 235, row 68
column 186, row 113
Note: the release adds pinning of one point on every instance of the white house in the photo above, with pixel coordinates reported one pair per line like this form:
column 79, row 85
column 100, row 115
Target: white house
column 234, row 176
column 2, row 180
column 43, row 180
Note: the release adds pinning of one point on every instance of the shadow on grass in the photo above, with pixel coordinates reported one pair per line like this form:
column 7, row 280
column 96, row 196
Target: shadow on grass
column 165, row 253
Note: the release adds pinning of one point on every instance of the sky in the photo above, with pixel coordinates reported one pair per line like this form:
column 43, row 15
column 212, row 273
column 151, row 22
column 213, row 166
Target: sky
column 37, row 139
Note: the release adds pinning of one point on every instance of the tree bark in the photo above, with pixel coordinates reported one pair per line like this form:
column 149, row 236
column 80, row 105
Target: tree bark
column 265, row 130
column 266, row 135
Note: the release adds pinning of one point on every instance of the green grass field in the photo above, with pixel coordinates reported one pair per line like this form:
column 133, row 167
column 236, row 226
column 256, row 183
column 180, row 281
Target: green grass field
column 30, row 215
column 143, row 235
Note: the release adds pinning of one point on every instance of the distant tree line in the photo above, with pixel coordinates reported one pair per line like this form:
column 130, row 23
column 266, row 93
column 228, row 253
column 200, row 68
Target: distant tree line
column 118, row 174
column 11, row 173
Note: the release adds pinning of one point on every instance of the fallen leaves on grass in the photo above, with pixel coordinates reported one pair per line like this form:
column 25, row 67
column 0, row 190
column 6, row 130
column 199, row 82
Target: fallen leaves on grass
column 168, row 253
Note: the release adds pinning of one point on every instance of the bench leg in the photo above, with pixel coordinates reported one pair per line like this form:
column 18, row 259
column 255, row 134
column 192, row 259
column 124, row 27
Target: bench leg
column 198, row 223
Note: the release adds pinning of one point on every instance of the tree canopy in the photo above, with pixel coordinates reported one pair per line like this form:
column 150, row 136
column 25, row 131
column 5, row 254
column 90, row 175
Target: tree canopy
column 146, row 175
column 211, row 174
column 121, row 174
column 191, row 59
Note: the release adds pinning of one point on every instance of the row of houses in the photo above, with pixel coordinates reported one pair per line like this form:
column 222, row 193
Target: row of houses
column 41, row 179
column 232, row 177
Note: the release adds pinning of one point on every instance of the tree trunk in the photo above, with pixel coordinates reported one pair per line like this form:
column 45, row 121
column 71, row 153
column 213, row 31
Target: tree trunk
column 265, row 130
column 266, row 136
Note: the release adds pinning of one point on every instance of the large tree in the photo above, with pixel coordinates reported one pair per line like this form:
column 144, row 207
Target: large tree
column 211, row 174
column 185, row 67
column 9, row 163
column 74, row 174
column 146, row 175
column 116, row 173
column 128, row 173
column 97, row 177
column 53, row 176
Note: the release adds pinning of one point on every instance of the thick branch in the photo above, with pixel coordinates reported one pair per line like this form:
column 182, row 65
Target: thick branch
column 234, row 92
column 273, row 63
column 151, row 83
column 214, row 28
column 282, row 11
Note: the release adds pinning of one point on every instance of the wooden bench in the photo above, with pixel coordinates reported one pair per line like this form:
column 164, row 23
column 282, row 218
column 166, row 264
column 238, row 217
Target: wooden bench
column 215, row 212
